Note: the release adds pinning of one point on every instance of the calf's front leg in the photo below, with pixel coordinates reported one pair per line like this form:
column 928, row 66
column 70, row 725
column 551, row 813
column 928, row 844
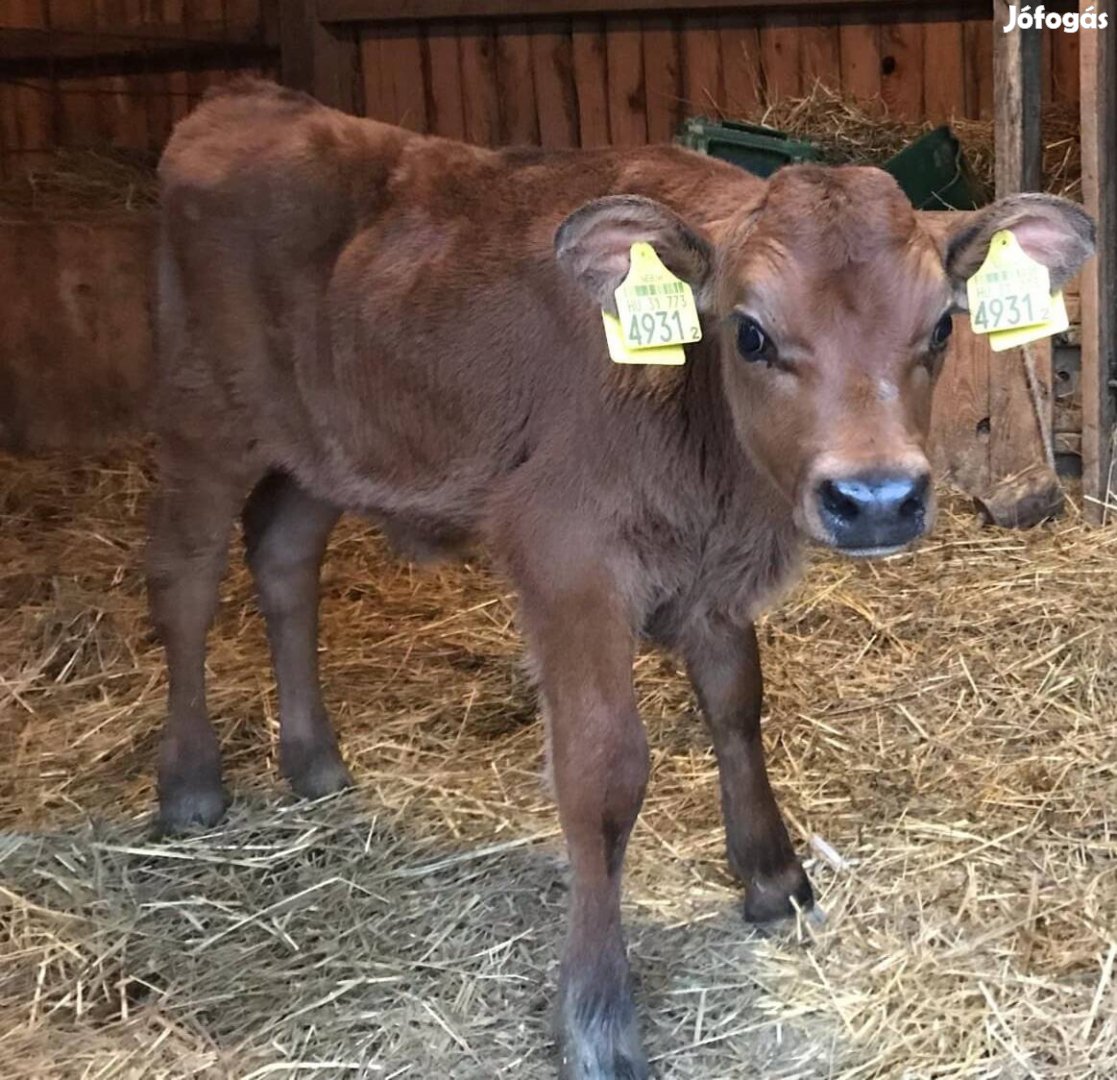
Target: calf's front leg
column 600, row 764
column 723, row 663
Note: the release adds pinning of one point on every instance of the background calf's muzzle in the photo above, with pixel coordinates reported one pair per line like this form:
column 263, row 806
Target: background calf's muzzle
column 873, row 511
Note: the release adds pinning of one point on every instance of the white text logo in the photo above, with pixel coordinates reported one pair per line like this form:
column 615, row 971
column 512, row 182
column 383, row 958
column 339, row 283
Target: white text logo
column 1071, row 22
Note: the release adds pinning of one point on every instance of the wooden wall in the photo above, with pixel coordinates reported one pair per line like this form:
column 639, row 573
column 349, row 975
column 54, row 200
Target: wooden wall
column 629, row 79
column 75, row 337
column 132, row 105
column 563, row 81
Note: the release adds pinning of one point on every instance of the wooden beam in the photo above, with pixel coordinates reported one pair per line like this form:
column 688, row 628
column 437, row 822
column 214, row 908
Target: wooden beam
column 62, row 54
column 1017, row 98
column 35, row 44
column 350, row 11
column 321, row 60
column 1098, row 57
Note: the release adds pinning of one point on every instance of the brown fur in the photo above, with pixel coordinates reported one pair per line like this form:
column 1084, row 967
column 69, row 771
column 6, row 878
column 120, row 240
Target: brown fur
column 353, row 317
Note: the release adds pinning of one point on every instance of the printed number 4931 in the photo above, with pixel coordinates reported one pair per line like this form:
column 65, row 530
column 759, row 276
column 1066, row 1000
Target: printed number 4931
column 661, row 326
column 1009, row 311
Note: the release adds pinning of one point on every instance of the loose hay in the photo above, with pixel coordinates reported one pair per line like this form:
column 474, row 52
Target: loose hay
column 85, row 180
column 940, row 735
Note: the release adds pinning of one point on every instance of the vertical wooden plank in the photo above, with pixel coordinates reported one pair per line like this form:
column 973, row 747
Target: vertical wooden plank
column 703, row 81
column 1016, row 127
column 29, row 105
column 556, row 99
column 624, row 58
column 477, row 42
column 860, row 59
column 960, row 416
column 160, row 113
column 323, row 61
column 1099, row 279
column 741, row 65
column 10, row 162
column 175, row 82
column 123, row 102
column 1019, row 413
column 977, row 37
column 377, row 90
column 401, row 54
column 1064, row 67
column 820, row 51
column 902, row 69
column 779, row 53
column 446, row 107
column 663, row 92
column 194, row 12
column 944, row 71
column 590, row 80
column 515, row 78
column 1047, row 49
column 77, row 98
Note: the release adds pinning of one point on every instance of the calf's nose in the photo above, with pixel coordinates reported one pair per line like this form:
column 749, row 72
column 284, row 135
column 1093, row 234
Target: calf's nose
column 873, row 511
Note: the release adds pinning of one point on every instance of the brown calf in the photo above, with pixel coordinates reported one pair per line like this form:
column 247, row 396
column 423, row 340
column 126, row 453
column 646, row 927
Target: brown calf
column 353, row 317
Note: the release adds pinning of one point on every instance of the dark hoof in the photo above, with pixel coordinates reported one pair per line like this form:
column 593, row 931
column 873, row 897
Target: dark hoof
column 778, row 895
column 603, row 1045
column 190, row 805
column 313, row 774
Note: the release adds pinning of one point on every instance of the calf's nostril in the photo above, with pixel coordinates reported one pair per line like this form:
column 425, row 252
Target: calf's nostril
column 911, row 506
column 837, row 503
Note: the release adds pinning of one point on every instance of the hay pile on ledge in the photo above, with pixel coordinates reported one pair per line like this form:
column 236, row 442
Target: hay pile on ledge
column 943, row 721
column 85, row 181
column 851, row 131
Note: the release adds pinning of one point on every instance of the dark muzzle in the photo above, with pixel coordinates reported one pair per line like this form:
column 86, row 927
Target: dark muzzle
column 873, row 513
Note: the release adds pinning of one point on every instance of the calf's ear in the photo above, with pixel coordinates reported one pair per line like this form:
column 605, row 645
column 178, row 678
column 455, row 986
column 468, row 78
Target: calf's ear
column 1052, row 230
column 592, row 245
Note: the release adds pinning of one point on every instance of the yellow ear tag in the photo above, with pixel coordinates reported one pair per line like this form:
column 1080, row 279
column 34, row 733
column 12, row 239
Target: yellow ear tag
column 656, row 313
column 1010, row 297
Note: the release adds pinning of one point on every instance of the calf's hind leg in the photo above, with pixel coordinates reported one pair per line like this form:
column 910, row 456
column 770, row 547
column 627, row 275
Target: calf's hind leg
column 192, row 517
column 723, row 662
column 285, row 534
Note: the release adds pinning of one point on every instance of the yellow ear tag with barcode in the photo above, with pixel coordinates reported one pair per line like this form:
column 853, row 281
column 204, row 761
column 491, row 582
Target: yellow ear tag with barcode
column 656, row 313
column 1010, row 297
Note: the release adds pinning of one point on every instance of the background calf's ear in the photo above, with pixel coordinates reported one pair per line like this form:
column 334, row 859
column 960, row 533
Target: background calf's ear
column 593, row 244
column 1052, row 230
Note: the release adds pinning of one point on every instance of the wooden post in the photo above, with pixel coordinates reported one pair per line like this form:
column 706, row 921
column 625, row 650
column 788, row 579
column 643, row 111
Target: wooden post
column 1021, row 380
column 1017, row 71
column 1098, row 58
column 320, row 59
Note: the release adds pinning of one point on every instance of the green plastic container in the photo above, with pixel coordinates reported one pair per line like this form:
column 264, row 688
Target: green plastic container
column 761, row 150
column 935, row 174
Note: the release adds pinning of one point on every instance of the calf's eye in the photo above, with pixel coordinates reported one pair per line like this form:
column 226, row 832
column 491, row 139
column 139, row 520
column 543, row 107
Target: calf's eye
column 752, row 342
column 941, row 334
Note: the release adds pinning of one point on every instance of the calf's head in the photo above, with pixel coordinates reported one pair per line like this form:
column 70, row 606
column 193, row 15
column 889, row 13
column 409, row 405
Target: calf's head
column 828, row 305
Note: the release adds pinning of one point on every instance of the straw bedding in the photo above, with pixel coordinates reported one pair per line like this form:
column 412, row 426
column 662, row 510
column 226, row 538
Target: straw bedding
column 940, row 734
